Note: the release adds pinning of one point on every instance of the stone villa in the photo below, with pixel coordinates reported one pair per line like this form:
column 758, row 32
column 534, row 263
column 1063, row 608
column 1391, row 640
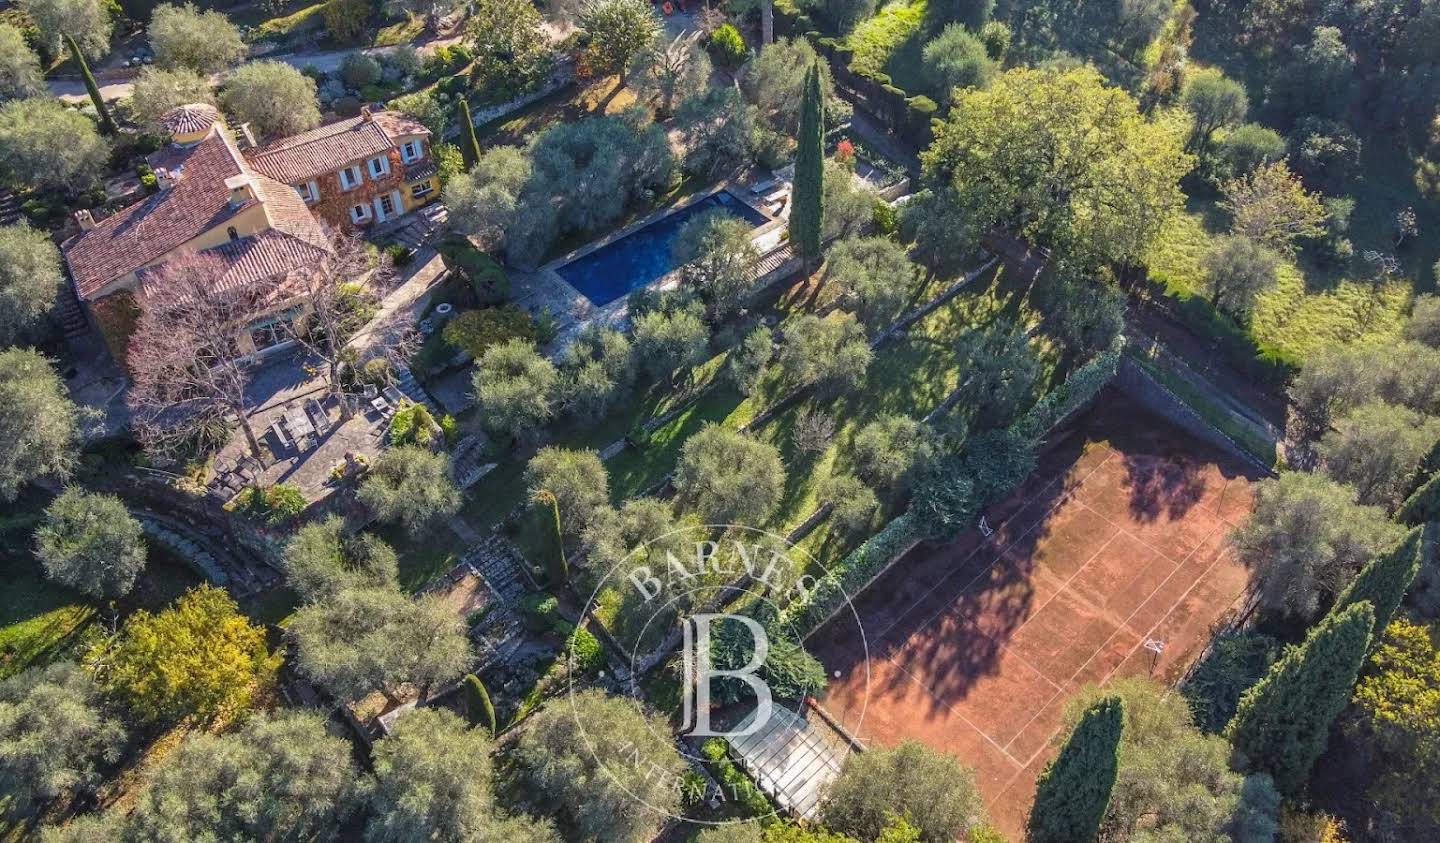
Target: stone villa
column 259, row 209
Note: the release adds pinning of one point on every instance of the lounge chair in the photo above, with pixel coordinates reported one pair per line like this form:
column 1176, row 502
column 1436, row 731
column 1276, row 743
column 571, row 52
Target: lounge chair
column 393, row 395
column 277, row 429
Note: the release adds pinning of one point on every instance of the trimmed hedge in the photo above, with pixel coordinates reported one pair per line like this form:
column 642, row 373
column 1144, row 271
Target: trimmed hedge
column 852, row 574
column 1082, row 385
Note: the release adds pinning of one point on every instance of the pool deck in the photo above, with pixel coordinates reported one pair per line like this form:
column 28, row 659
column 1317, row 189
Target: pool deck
column 545, row 288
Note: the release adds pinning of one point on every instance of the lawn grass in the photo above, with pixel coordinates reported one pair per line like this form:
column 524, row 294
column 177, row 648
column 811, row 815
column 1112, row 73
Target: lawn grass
column 603, row 96
column 875, row 39
column 424, row 557
column 1306, row 311
column 302, row 19
column 400, row 32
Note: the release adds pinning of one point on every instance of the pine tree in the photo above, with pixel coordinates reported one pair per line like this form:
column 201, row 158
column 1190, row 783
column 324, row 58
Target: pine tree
column 1385, row 580
column 471, row 148
column 107, row 125
column 1283, row 723
column 1074, row 790
column 1424, row 505
column 808, row 206
column 478, row 708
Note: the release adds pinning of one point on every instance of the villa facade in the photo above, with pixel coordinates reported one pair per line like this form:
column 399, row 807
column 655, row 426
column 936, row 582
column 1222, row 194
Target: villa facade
column 260, row 211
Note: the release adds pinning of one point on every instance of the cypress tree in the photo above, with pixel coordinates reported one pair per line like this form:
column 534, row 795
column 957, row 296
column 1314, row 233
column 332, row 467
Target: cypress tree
column 478, row 708
column 107, row 125
column 1424, row 505
column 1283, row 722
column 1385, row 580
column 807, row 206
column 471, row 148
column 1074, row 790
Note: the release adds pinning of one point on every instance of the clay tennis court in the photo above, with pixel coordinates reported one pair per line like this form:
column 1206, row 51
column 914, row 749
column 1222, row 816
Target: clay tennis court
column 1117, row 539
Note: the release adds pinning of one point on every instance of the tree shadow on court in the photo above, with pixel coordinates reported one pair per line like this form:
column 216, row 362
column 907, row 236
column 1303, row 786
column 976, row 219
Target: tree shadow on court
column 944, row 612
column 1162, row 485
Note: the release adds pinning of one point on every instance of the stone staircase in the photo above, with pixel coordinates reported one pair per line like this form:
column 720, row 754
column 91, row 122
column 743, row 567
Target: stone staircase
column 9, row 207
column 406, row 383
column 502, row 566
column 70, row 315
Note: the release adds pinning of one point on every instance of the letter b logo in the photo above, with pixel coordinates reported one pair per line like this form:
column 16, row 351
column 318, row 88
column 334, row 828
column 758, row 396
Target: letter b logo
column 700, row 670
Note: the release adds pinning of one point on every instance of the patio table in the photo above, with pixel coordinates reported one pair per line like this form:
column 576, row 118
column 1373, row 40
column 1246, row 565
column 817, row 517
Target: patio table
column 298, row 424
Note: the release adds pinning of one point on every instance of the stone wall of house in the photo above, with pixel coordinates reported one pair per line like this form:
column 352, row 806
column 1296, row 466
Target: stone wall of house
column 335, row 204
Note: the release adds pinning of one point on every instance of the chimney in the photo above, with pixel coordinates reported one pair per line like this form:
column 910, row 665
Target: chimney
column 85, row 218
column 166, row 179
column 241, row 191
column 366, row 114
column 247, row 137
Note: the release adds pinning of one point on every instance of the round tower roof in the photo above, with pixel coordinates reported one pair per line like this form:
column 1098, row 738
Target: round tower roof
column 190, row 119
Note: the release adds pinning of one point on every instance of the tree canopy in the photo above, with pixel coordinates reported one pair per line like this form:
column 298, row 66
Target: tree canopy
column 730, row 478
column 45, row 145
column 200, row 657
column 876, row 274
column 618, row 30
column 53, row 733
column 30, row 279
column 516, row 389
column 411, row 485
column 280, row 776
column 930, row 789
column 1073, row 791
column 1060, row 159
column 87, row 21
column 157, row 91
column 615, row 789
column 184, row 36
column 91, row 543
column 715, row 254
column 322, row 560
column 34, row 409
column 379, row 639
column 578, row 481
column 20, row 75
column 273, row 97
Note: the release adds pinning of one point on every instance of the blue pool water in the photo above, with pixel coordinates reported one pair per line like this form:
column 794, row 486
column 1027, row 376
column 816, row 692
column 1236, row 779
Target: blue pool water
column 643, row 256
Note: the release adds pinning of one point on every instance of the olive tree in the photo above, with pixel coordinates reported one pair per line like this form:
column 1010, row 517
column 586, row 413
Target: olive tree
column 30, row 279
column 91, row 543
column 746, row 363
column 716, row 254
column 184, row 36
column 875, row 275
column 411, row 485
column 515, row 389
column 34, row 409
column 665, row 72
column 728, row 477
column 45, row 145
column 1306, row 538
column 275, row 98
column 890, row 452
column 831, row 352
column 775, row 82
column 718, row 130
column 379, row 639
column 1249, row 146
column 322, row 560
column 577, row 480
column 482, row 202
column 280, row 776
column 87, row 21
column 1237, row 269
column 957, row 58
column 616, row 789
column 434, row 780
column 1272, row 207
column 20, row 75
column 1424, row 324
column 53, row 734
column 1377, row 448
column 157, row 91
column 931, row 789
column 618, row 30
column 1214, row 102
column 671, row 339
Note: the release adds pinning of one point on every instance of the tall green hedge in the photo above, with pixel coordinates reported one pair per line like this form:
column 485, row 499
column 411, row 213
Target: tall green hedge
column 1424, row 505
column 1385, row 580
column 1073, row 792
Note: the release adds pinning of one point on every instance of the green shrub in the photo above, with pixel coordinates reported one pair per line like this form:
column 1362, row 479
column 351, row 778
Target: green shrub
column 412, row 424
column 276, row 504
column 541, row 611
column 589, row 655
column 477, row 330
column 885, row 218
column 733, row 782
column 922, row 105
column 399, row 255
column 479, row 710
column 482, row 271
column 727, row 46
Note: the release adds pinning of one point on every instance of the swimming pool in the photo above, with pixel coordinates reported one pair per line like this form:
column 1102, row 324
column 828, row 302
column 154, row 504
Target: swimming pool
column 643, row 256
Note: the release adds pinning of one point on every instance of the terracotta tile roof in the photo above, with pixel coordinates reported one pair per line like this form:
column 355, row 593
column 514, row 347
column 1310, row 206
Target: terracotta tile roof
column 304, row 156
column 147, row 230
column 188, row 119
column 269, row 255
